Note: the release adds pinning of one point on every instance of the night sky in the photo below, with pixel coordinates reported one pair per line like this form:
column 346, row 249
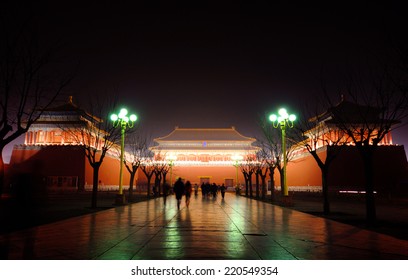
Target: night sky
column 216, row 65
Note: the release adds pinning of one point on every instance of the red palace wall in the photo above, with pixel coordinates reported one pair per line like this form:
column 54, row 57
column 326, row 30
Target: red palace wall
column 216, row 174
column 48, row 161
column 108, row 174
column 347, row 173
column 390, row 169
column 65, row 161
column 302, row 172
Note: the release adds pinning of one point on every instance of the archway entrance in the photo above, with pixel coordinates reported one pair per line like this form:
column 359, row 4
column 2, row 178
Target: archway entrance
column 205, row 179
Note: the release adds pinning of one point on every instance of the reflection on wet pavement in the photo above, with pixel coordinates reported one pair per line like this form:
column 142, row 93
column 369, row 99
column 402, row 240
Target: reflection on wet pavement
column 234, row 228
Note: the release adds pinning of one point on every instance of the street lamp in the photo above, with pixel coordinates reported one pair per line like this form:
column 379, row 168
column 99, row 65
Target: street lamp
column 283, row 120
column 171, row 159
column 123, row 121
column 237, row 159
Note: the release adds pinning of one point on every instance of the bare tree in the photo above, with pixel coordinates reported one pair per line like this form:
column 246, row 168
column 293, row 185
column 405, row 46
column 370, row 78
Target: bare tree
column 161, row 169
column 96, row 135
column 29, row 82
column 262, row 168
column 137, row 150
column 378, row 106
column 269, row 153
column 148, row 168
column 318, row 134
column 248, row 168
column 272, row 147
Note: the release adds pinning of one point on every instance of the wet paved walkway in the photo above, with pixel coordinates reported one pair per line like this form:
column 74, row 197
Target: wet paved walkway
column 234, row 228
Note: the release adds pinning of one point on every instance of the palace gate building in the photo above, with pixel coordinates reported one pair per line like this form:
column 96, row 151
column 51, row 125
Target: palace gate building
column 205, row 154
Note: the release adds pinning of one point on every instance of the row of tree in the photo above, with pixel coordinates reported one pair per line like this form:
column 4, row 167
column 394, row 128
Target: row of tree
column 375, row 106
column 30, row 83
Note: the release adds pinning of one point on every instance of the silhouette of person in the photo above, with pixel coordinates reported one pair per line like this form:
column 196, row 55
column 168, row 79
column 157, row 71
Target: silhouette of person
column 166, row 190
column 179, row 191
column 188, row 189
column 223, row 189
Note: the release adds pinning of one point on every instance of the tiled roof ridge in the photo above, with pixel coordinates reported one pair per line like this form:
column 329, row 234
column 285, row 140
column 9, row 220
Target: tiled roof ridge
column 226, row 129
column 70, row 106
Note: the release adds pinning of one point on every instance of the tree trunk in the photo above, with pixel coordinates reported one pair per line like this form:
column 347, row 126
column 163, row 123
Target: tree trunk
column 257, row 185
column 272, row 177
column 282, row 181
column 325, row 190
column 263, row 180
column 157, row 181
column 246, row 183
column 371, row 213
column 2, row 177
column 95, row 186
column 149, row 178
column 132, row 179
column 250, row 184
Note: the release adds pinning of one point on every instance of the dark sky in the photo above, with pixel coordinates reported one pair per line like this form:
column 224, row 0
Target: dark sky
column 216, row 65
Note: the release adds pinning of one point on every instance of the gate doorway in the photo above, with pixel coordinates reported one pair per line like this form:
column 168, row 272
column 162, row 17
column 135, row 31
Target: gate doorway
column 229, row 183
column 205, row 180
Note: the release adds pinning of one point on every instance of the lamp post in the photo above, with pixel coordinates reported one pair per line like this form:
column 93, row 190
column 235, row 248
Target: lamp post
column 123, row 121
column 171, row 159
column 237, row 159
column 283, row 120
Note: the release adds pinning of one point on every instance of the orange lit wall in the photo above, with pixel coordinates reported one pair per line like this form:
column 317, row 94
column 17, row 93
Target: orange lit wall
column 216, row 174
column 346, row 171
column 62, row 160
column 108, row 174
column 48, row 161
column 303, row 172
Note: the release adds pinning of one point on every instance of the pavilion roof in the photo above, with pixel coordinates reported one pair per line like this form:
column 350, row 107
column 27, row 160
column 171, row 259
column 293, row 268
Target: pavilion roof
column 69, row 108
column 346, row 111
column 205, row 134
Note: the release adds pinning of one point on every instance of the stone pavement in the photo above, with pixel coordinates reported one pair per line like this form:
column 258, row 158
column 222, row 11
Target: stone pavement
column 234, row 228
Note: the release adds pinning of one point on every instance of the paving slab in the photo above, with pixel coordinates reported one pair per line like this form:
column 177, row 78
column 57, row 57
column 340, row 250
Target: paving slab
column 233, row 228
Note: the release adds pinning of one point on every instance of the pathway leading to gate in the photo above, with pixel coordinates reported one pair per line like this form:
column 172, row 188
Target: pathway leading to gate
column 234, row 228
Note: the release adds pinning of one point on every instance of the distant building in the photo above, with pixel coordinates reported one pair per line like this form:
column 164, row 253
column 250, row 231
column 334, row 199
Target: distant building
column 205, row 154
column 346, row 173
column 53, row 149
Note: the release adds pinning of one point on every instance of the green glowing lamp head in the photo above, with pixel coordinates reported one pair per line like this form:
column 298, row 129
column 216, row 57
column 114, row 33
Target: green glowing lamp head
column 123, row 112
column 273, row 118
column 283, row 113
column 133, row 117
column 114, row 117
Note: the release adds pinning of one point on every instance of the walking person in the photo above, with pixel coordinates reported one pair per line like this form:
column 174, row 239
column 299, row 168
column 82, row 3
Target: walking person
column 179, row 191
column 188, row 190
column 166, row 191
column 214, row 190
column 223, row 189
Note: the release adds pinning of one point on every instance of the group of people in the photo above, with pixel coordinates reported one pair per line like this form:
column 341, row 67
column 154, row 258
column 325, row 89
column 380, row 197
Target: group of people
column 181, row 188
column 208, row 189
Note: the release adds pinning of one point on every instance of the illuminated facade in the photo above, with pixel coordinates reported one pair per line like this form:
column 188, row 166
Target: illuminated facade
column 54, row 148
column 346, row 172
column 205, row 154
column 202, row 155
column 327, row 131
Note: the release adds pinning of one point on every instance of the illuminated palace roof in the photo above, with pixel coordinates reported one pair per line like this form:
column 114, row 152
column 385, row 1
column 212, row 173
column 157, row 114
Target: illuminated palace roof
column 204, row 134
column 205, row 139
column 67, row 114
